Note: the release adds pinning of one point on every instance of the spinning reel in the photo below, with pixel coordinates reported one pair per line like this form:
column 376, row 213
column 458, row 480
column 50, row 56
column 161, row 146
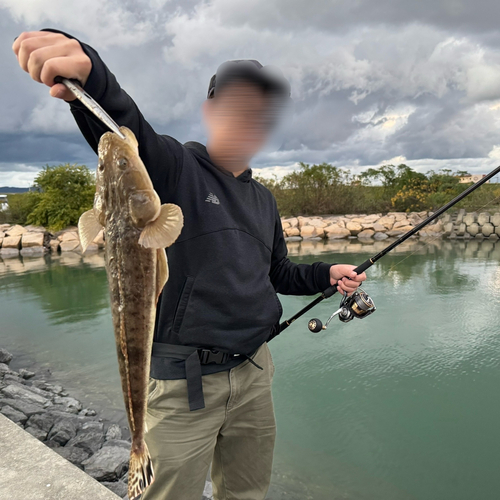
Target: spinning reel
column 358, row 305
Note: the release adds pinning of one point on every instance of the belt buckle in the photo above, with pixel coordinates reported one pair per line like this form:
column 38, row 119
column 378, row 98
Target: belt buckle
column 212, row 356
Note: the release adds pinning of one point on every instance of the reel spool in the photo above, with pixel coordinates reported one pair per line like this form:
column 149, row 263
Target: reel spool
column 358, row 305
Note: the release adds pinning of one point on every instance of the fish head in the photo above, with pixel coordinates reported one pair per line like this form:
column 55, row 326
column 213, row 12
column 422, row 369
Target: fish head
column 123, row 181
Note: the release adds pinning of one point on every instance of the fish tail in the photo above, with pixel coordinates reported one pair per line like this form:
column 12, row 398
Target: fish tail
column 140, row 472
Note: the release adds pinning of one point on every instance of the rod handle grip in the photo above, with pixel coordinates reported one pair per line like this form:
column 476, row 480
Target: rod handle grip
column 363, row 267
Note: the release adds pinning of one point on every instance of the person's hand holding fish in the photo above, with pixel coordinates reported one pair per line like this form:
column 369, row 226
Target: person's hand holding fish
column 45, row 55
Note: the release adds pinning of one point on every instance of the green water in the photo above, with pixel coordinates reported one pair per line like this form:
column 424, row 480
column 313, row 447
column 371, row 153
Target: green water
column 403, row 405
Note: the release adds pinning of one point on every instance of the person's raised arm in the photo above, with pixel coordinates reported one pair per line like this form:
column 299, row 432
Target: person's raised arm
column 49, row 53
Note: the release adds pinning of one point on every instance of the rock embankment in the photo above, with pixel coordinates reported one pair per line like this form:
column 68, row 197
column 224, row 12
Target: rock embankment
column 391, row 225
column 36, row 240
column 60, row 421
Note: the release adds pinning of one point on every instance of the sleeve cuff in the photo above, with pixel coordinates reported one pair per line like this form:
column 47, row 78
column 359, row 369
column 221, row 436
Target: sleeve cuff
column 323, row 275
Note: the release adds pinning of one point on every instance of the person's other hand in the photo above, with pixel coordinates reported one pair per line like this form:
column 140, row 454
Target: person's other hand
column 45, row 55
column 345, row 277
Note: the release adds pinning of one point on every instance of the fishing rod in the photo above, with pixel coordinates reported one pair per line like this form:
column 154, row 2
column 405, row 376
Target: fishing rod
column 359, row 304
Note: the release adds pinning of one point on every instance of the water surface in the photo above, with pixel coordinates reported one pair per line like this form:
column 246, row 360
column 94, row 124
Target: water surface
column 402, row 405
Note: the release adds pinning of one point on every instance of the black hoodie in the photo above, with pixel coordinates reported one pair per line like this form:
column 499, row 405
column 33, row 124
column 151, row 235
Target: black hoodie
column 230, row 258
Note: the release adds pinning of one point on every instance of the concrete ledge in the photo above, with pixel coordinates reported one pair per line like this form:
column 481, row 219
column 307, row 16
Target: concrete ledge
column 29, row 470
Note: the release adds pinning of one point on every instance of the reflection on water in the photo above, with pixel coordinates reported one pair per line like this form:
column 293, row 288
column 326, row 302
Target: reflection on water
column 399, row 406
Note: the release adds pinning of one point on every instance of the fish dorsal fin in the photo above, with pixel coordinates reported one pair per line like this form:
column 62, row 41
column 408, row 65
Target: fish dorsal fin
column 88, row 228
column 161, row 271
column 164, row 230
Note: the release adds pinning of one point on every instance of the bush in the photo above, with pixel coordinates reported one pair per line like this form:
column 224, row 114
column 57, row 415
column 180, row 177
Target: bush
column 20, row 206
column 325, row 189
column 64, row 193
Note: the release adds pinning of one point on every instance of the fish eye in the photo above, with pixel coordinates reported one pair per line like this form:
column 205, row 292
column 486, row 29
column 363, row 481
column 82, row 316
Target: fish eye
column 122, row 163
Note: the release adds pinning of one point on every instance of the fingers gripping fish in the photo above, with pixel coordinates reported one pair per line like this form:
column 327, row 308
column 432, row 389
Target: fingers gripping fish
column 137, row 229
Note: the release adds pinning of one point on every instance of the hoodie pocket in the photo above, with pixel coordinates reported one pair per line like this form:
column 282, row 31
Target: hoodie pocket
column 182, row 303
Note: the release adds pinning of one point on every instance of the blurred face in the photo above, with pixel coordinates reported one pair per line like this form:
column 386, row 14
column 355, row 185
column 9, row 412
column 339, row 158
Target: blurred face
column 237, row 121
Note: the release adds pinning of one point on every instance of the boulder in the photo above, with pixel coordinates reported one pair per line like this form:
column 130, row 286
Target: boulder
column 93, row 425
column 317, row 223
column 117, row 487
column 33, row 251
column 401, row 223
column 16, row 230
column 69, row 404
column 293, row 231
column 354, row 227
column 294, row 222
column 108, row 463
column 309, row 232
column 399, row 231
column 36, row 432
column 43, row 421
column 284, row 224
column 16, row 391
column 32, row 240
column 4, row 368
column 380, row 236
column 371, row 218
column 118, row 442
column 113, row 432
column 28, row 409
column 73, row 454
column 367, row 233
column 70, row 246
column 62, row 431
column 12, row 242
column 69, row 236
column 14, row 415
column 387, row 221
column 335, row 232
column 448, row 228
column 92, row 247
column 5, row 356
column 89, row 440
column 26, row 374
column 35, row 229
column 377, row 227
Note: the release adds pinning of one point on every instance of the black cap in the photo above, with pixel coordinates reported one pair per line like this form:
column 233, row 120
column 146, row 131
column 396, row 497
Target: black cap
column 270, row 78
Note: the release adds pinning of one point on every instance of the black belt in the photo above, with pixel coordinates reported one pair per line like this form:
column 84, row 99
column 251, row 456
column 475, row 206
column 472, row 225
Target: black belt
column 195, row 357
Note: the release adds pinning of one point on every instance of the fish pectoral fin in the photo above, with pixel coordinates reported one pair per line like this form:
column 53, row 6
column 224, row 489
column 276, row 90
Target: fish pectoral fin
column 88, row 228
column 164, row 230
column 161, row 271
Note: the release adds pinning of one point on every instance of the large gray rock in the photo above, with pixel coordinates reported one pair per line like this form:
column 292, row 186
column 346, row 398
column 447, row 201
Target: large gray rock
column 74, row 454
column 26, row 374
column 28, row 409
column 107, row 464
column 113, row 432
column 89, row 441
column 18, row 391
column 14, row 415
column 118, row 442
column 69, row 404
column 117, row 487
column 4, row 368
column 5, row 356
column 93, row 425
column 62, row 431
column 43, row 421
column 36, row 432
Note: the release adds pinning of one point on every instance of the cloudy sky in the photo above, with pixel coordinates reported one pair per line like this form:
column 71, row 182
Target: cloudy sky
column 373, row 82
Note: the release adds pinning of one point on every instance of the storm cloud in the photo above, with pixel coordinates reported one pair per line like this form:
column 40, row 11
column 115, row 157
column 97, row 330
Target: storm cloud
column 372, row 82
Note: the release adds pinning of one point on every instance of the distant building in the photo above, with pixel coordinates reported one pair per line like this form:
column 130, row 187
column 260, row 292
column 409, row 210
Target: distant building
column 471, row 178
column 3, row 202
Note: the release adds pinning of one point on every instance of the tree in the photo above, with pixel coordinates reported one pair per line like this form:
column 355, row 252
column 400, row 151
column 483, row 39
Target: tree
column 65, row 192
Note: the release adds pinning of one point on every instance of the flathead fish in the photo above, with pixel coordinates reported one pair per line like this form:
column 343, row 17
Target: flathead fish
column 137, row 229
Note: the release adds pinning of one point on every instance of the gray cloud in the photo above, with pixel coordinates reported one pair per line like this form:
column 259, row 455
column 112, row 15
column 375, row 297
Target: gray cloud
column 371, row 80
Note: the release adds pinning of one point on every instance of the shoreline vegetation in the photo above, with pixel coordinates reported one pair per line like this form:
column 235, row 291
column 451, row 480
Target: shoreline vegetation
column 40, row 405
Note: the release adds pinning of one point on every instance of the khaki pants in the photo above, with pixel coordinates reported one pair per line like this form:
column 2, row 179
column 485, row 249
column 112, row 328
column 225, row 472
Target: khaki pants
column 235, row 432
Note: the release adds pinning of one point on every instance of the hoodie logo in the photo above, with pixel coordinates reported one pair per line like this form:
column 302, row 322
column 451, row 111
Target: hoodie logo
column 211, row 198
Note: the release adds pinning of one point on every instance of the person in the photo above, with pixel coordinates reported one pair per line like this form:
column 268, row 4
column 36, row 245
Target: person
column 210, row 399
